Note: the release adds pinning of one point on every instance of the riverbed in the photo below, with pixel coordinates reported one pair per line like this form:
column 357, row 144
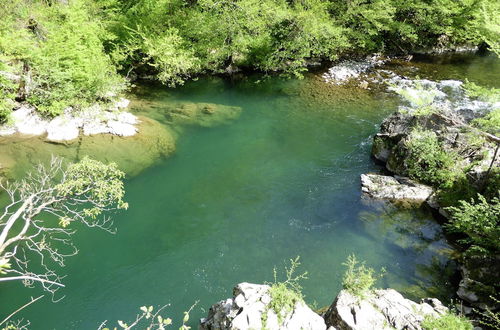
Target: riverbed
column 275, row 179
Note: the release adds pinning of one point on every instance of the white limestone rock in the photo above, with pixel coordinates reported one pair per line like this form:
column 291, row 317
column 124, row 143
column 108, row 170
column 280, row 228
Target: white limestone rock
column 27, row 121
column 63, row 128
column 383, row 309
column 395, row 189
column 245, row 310
column 121, row 129
column 66, row 127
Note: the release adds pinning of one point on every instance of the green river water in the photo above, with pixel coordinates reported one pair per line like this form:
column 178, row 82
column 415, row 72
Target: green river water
column 236, row 199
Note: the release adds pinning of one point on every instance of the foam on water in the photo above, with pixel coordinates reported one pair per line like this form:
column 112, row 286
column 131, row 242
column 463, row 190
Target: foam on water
column 447, row 95
column 346, row 70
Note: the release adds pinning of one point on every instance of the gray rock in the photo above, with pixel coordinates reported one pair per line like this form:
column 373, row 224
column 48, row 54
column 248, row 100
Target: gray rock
column 245, row 311
column 383, row 309
column 395, row 189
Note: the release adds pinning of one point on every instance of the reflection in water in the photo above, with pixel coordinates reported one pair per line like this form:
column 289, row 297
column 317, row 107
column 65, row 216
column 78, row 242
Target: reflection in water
column 414, row 233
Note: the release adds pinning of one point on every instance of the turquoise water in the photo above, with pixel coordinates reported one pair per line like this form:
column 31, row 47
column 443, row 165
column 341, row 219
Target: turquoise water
column 237, row 199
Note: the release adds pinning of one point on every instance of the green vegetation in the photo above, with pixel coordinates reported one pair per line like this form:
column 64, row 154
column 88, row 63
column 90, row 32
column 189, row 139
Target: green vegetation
column 58, row 51
column 480, row 221
column 489, row 123
column 420, row 99
column 44, row 208
column 67, row 53
column 446, row 322
column 481, row 93
column 285, row 295
column 359, row 279
column 428, row 162
column 490, row 318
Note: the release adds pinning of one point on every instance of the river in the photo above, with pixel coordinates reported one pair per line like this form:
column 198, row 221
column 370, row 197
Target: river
column 244, row 195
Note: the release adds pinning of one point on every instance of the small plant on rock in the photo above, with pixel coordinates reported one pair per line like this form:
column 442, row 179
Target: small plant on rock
column 285, row 295
column 359, row 279
column 445, row 322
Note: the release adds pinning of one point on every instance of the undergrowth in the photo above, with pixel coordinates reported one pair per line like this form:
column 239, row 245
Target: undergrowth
column 286, row 294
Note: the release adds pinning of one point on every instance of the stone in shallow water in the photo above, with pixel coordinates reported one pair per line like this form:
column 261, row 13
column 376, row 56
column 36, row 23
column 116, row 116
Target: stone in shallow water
column 395, row 189
column 19, row 153
column 63, row 128
column 202, row 114
column 27, row 121
column 121, row 129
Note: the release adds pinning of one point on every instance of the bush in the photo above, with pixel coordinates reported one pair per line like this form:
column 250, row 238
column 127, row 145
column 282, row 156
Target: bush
column 359, row 279
column 428, row 162
column 489, row 123
column 285, row 295
column 62, row 48
column 480, row 221
column 446, row 322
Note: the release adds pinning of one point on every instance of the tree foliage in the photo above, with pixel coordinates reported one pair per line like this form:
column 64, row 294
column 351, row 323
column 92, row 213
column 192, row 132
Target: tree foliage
column 43, row 213
column 68, row 52
column 480, row 221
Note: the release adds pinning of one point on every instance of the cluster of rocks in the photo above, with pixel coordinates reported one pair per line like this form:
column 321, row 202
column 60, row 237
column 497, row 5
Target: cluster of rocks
column 389, row 147
column 68, row 126
column 451, row 126
column 346, row 70
column 380, row 309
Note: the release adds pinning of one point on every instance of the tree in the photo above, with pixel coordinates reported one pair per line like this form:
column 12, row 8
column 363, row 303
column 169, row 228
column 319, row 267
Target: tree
column 43, row 212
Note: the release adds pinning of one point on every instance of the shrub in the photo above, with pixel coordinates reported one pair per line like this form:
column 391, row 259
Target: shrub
column 285, row 295
column 481, row 93
column 359, row 279
column 428, row 162
column 489, row 123
column 480, row 221
column 61, row 46
column 446, row 322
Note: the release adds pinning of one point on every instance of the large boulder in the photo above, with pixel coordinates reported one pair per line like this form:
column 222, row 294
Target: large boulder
column 153, row 142
column 400, row 190
column 249, row 309
column 400, row 124
column 475, row 150
column 382, row 309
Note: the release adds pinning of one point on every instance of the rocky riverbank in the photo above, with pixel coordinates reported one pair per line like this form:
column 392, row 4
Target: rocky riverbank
column 380, row 309
column 93, row 120
column 435, row 139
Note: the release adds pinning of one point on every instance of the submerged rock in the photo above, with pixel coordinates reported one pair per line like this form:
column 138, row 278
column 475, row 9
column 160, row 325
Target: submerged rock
column 382, row 309
column 247, row 308
column 202, row 114
column 397, row 189
column 19, row 153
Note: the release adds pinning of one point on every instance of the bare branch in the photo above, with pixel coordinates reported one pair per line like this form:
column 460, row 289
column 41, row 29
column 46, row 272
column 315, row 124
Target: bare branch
column 21, row 308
